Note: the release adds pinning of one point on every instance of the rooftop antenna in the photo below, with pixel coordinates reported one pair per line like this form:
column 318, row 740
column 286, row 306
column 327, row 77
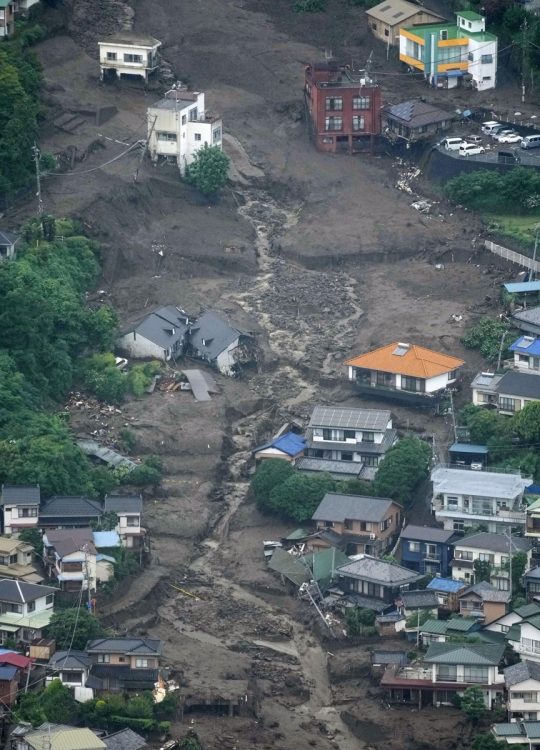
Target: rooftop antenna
column 328, row 54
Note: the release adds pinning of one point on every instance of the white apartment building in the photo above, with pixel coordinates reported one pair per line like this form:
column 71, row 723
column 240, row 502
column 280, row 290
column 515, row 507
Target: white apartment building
column 20, row 507
column 178, row 126
column 463, row 498
column 128, row 53
column 522, row 682
column 494, row 549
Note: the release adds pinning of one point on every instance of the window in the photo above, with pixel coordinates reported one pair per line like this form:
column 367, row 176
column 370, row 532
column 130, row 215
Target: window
column 197, row 136
column 459, row 526
column 141, row 663
column 475, row 674
column 111, row 55
column 28, row 512
column 470, row 57
column 216, row 135
column 485, row 557
column 334, row 103
column 103, row 658
column 431, row 550
column 412, row 384
column 346, row 456
column 31, row 607
column 326, row 434
column 361, row 102
column 368, row 437
column 49, row 599
column 333, row 123
column 348, row 524
column 121, row 659
column 74, row 678
column 132, row 520
column 132, row 58
column 414, row 546
column 447, row 673
column 374, row 26
column 193, row 114
column 370, row 460
column 168, row 137
column 349, row 435
column 452, row 501
column 486, row 78
column 444, row 34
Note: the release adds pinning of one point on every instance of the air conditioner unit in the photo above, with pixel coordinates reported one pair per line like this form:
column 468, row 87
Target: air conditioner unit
column 373, row 536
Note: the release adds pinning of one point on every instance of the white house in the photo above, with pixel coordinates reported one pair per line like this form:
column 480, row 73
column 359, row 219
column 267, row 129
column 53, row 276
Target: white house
column 25, row 609
column 160, row 334
column 69, row 555
column 522, row 682
column 504, row 623
column 526, row 351
column 510, row 392
column 178, row 126
column 524, row 637
column 128, row 510
column 72, row 669
column 463, row 498
column 494, row 549
column 7, row 243
column 20, row 507
column 225, row 347
column 128, row 53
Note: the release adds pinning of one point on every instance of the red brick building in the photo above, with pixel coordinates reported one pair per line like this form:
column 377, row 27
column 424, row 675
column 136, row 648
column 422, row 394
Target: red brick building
column 344, row 107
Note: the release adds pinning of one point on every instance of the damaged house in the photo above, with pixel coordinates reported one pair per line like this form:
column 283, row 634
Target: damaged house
column 161, row 334
column 223, row 346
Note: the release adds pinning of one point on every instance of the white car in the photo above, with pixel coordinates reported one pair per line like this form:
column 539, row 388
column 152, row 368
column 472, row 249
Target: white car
column 502, row 133
column 471, row 149
column 510, row 138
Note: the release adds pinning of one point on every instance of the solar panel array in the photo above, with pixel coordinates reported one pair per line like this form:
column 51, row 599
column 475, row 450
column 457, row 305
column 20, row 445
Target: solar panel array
column 345, row 418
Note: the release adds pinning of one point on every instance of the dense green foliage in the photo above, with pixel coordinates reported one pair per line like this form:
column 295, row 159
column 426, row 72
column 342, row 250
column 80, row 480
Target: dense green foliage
column 101, row 376
column 402, row 470
column 74, row 628
column 482, row 571
column 512, row 441
column 55, row 704
column 360, row 621
column 209, row 170
column 33, row 537
column 488, row 742
column 20, row 81
column 472, row 704
column 46, row 325
column 515, row 191
column 139, row 712
column 487, row 337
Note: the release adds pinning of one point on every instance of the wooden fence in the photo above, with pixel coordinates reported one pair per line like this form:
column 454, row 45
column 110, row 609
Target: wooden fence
column 512, row 256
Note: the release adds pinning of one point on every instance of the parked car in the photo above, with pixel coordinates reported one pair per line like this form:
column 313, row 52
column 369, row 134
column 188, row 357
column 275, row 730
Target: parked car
column 452, row 144
column 508, row 157
column 488, row 128
column 530, row 141
column 503, row 131
column 471, row 149
column 510, row 138
column 475, row 139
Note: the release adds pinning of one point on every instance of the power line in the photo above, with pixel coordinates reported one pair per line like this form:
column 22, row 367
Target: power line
column 94, row 169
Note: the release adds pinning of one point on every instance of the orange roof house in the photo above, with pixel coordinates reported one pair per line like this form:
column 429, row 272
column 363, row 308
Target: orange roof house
column 405, row 371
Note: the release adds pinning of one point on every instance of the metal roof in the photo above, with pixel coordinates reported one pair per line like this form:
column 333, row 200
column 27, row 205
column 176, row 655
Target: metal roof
column 70, row 506
column 446, row 585
column 340, row 417
column 8, row 673
column 124, row 646
column 532, row 315
column 419, row 598
column 125, row 739
column 515, row 383
column 288, row 566
column 468, row 448
column 426, row 533
column 20, row 592
column 13, row 494
column 416, row 113
column 480, row 654
column 165, row 326
column 525, row 729
column 448, row 627
column 493, row 542
column 379, row 571
column 57, row 737
column 487, row 380
column 520, row 287
column 395, row 12
column 342, row 468
column 480, row 483
column 337, row 507
column 6, row 238
column 106, row 539
column 134, row 38
column 123, row 504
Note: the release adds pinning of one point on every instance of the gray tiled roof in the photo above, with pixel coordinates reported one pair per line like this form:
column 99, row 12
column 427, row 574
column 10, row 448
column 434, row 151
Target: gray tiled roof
column 6, row 238
column 158, row 326
column 379, row 571
column 216, row 333
column 519, row 384
column 493, row 542
column 426, row 534
column 481, row 654
column 415, row 113
column 345, row 468
column 13, row 494
column 523, row 670
column 124, row 646
column 486, row 592
column 20, row 591
column 69, row 660
column 532, row 315
column 70, row 506
column 123, row 504
column 348, row 418
column 420, row 598
column 125, row 739
column 336, row 507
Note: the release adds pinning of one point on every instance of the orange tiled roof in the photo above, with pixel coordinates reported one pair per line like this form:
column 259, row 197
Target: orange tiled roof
column 417, row 362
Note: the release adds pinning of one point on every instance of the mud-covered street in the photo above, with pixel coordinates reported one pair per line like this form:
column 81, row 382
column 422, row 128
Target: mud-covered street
column 318, row 255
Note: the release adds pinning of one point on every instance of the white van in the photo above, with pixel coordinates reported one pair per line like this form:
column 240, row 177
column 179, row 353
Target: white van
column 530, row 141
column 470, row 149
column 491, row 127
column 452, row 144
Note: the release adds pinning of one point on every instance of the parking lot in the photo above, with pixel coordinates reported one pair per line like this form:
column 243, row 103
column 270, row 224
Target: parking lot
column 501, row 146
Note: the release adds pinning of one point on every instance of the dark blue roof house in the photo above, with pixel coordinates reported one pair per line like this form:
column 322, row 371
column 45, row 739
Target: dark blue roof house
column 465, row 454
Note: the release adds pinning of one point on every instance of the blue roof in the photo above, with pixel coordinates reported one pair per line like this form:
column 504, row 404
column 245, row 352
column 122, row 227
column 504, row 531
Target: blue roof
column 106, row 539
column 450, row 585
column 468, row 448
column 532, row 489
column 290, row 443
column 7, row 673
column 522, row 286
column 526, row 345
column 107, row 558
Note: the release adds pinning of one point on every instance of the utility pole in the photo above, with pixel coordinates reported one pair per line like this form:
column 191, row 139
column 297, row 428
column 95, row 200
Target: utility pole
column 510, row 560
column 537, row 227
column 453, row 416
column 36, row 153
column 145, row 148
column 523, row 58
column 501, row 350
column 87, row 576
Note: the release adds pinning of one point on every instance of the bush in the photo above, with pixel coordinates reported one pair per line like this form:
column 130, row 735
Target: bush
column 100, row 375
column 270, row 473
column 298, row 497
column 147, row 473
column 140, row 377
column 402, row 469
column 486, row 336
column 209, row 170
column 515, row 191
column 360, row 622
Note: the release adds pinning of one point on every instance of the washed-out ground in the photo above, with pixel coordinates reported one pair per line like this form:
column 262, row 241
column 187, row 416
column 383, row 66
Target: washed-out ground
column 321, row 256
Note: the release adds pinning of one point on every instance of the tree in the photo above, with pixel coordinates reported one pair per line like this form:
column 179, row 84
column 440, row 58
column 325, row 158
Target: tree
column 403, row 468
column 299, row 496
column 526, row 423
column 487, row 742
column 102, row 377
column 55, row 704
column 486, row 336
column 482, row 571
column 33, row 537
column 209, row 170
column 519, row 565
column 149, row 472
column 72, row 627
column 359, row 621
column 472, row 704
column 269, row 474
